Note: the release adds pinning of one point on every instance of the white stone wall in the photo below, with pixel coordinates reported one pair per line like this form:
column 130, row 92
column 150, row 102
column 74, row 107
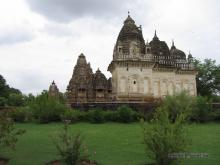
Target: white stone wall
column 145, row 82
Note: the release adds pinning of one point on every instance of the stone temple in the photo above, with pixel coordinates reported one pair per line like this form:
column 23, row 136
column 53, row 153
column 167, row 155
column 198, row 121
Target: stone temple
column 140, row 71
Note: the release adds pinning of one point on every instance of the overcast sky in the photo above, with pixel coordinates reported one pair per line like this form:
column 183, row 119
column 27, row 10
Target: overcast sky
column 40, row 40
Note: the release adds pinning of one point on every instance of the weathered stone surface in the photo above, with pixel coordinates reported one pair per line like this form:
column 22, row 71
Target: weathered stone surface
column 140, row 72
column 53, row 90
column 85, row 86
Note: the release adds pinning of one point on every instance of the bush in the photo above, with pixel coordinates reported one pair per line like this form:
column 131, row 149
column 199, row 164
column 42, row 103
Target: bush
column 126, row 114
column 178, row 104
column 96, row 116
column 47, row 109
column 20, row 114
column 215, row 115
column 201, row 111
column 16, row 99
column 164, row 137
column 3, row 101
column 111, row 116
column 8, row 133
column 73, row 115
column 69, row 147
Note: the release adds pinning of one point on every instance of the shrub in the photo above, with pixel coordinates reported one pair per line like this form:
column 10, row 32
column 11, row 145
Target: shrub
column 69, row 147
column 178, row 104
column 164, row 137
column 96, row 116
column 15, row 99
column 72, row 115
column 3, row 101
column 201, row 111
column 47, row 109
column 111, row 116
column 8, row 133
column 126, row 114
column 215, row 115
column 19, row 114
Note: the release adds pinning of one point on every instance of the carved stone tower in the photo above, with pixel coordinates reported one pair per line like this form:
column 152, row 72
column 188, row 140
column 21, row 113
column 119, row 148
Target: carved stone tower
column 53, row 90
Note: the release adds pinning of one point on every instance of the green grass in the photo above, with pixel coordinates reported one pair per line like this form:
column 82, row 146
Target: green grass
column 114, row 144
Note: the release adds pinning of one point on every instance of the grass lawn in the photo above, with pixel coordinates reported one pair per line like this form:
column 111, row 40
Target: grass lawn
column 114, row 143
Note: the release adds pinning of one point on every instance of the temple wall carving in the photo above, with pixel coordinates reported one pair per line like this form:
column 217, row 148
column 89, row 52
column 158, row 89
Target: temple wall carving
column 149, row 83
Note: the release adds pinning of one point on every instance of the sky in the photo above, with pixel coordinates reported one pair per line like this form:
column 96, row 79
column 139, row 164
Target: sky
column 40, row 40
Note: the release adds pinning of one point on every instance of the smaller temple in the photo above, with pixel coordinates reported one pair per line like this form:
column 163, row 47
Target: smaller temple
column 86, row 86
column 53, row 90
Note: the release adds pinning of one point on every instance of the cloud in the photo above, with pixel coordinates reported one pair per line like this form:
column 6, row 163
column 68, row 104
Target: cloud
column 67, row 10
column 14, row 36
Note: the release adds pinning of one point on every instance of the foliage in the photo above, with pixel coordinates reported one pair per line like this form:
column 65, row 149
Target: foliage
column 21, row 114
column 15, row 99
column 178, row 104
column 202, row 110
column 208, row 79
column 3, row 101
column 73, row 115
column 165, row 137
column 111, row 116
column 96, row 116
column 46, row 109
column 69, row 147
column 215, row 115
column 8, row 133
column 6, row 91
column 126, row 114
column 28, row 99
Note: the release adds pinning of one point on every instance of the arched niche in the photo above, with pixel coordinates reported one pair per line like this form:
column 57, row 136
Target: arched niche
column 134, row 83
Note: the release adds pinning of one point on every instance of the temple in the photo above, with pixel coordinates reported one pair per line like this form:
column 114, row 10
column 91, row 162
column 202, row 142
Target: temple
column 86, row 86
column 53, row 90
column 140, row 71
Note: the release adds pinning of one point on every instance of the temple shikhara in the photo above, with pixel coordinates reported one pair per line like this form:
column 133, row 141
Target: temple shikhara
column 140, row 71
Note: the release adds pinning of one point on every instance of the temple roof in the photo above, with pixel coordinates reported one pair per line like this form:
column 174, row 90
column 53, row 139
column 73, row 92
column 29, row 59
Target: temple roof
column 158, row 47
column 130, row 32
column 81, row 59
column 176, row 53
column 99, row 80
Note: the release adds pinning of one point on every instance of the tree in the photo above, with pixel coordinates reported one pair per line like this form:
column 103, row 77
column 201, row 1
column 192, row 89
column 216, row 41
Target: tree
column 8, row 95
column 46, row 109
column 69, row 147
column 3, row 87
column 15, row 99
column 165, row 138
column 208, row 78
column 8, row 133
column 165, row 135
column 177, row 104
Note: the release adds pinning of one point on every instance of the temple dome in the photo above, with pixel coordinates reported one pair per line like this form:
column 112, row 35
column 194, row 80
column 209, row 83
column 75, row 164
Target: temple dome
column 159, row 48
column 130, row 33
column 176, row 53
column 99, row 80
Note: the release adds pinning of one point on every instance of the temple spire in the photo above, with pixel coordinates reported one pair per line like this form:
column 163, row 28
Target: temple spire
column 173, row 45
column 155, row 36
